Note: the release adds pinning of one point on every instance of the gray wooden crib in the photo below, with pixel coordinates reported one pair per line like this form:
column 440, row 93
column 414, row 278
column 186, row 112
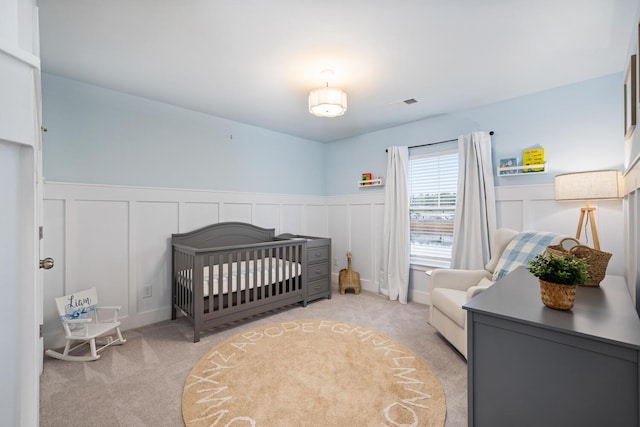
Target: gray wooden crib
column 232, row 270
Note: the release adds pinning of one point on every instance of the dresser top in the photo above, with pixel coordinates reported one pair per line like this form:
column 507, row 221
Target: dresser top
column 605, row 313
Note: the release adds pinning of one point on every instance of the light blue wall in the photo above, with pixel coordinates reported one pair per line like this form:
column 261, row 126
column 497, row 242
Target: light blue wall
column 101, row 136
column 579, row 125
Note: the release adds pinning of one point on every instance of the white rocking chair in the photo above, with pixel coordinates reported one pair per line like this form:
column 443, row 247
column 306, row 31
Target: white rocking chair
column 82, row 322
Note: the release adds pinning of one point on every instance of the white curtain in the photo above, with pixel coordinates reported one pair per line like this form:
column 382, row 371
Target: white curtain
column 475, row 221
column 394, row 274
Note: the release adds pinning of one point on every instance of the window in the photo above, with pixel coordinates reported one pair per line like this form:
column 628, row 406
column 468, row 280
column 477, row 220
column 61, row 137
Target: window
column 433, row 185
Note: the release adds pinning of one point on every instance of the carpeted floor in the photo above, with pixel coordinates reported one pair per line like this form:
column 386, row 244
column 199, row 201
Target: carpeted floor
column 140, row 383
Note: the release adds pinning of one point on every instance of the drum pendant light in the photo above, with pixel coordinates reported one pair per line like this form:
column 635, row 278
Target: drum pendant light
column 327, row 101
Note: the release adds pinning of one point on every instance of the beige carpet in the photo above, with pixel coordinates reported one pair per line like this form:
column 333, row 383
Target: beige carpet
column 310, row 372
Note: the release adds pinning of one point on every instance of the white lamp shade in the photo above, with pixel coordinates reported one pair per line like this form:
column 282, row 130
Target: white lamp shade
column 590, row 185
column 327, row 102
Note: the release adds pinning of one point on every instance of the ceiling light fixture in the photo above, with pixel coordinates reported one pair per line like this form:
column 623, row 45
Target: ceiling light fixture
column 327, row 101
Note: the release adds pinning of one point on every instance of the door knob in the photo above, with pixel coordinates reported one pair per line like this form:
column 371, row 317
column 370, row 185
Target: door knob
column 46, row 263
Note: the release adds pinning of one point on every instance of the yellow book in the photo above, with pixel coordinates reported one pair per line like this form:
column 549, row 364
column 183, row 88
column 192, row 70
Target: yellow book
column 533, row 156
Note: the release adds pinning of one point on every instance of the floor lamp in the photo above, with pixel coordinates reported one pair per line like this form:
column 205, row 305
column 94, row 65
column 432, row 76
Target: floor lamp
column 590, row 185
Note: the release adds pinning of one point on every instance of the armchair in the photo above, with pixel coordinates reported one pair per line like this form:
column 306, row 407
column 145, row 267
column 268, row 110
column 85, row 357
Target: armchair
column 450, row 289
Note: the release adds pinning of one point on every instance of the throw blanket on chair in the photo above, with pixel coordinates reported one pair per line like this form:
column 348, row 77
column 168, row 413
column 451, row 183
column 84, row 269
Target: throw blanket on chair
column 524, row 246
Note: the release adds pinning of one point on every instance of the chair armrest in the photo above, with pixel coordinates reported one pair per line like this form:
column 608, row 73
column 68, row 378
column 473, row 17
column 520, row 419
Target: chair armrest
column 75, row 321
column 114, row 309
column 105, row 307
column 456, row 279
column 475, row 290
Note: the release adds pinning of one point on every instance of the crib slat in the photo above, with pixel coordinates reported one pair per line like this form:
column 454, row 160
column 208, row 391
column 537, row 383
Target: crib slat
column 270, row 274
column 254, row 290
column 246, row 289
column 210, row 279
column 187, row 279
column 278, row 278
column 223, row 280
column 286, row 253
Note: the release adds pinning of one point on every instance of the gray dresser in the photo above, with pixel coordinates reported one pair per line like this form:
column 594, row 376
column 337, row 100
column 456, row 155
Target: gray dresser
column 529, row 365
column 318, row 265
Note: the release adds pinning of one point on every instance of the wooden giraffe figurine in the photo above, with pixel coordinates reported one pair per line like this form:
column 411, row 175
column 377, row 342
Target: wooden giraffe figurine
column 348, row 279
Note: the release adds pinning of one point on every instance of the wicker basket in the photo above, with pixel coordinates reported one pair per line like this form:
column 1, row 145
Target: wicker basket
column 559, row 297
column 596, row 260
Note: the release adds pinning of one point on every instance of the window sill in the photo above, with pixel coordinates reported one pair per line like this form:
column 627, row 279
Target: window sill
column 425, row 265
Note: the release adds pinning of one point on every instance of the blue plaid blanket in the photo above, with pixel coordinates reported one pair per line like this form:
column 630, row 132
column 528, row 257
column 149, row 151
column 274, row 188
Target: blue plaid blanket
column 524, row 247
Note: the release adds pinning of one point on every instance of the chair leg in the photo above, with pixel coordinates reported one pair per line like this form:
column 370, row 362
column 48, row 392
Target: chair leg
column 94, row 353
column 67, row 346
column 120, row 338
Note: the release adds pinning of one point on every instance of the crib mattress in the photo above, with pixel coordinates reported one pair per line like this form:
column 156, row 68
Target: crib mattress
column 266, row 271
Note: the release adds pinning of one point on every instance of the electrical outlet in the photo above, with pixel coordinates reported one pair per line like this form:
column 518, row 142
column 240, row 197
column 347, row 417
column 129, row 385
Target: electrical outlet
column 335, row 262
column 146, row 292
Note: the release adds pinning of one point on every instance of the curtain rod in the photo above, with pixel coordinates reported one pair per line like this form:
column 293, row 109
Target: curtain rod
column 434, row 143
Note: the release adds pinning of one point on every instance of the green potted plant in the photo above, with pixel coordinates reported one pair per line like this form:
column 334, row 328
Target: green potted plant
column 559, row 277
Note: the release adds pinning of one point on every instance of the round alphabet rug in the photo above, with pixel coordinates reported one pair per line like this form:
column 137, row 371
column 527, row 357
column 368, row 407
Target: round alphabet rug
column 312, row 373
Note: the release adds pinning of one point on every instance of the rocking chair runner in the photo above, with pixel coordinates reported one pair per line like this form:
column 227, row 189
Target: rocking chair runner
column 81, row 320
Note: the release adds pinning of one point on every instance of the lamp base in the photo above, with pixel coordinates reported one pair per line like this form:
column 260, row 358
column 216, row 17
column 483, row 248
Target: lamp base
column 590, row 219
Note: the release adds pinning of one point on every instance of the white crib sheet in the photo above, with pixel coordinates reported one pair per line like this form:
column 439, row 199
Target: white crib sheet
column 280, row 270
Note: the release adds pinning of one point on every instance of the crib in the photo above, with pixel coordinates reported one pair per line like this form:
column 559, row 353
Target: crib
column 229, row 271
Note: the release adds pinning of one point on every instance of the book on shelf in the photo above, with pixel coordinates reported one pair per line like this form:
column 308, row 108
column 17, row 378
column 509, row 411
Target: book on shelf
column 511, row 162
column 533, row 156
column 366, row 177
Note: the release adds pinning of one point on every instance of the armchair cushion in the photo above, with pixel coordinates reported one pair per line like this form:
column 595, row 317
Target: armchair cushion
column 449, row 302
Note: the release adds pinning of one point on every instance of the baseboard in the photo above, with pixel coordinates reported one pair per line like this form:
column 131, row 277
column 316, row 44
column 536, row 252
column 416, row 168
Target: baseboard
column 145, row 318
column 421, row 297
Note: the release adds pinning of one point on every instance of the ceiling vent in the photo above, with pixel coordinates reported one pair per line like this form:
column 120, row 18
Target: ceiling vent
column 404, row 102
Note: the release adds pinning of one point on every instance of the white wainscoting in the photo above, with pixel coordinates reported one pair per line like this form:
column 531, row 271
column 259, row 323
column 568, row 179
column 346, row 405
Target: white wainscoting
column 355, row 224
column 632, row 227
column 535, row 208
column 118, row 238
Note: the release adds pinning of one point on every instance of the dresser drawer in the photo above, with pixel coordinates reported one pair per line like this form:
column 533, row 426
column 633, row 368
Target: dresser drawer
column 318, row 254
column 318, row 287
column 316, row 271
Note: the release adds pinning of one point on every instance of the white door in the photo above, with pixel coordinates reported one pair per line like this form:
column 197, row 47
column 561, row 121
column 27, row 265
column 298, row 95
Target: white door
column 20, row 299
column 21, row 358
column 45, row 263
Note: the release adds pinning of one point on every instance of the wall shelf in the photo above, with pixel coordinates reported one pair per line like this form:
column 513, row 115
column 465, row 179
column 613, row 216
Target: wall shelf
column 377, row 182
column 521, row 170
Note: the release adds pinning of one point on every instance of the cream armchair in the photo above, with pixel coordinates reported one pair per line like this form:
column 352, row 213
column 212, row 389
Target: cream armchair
column 450, row 289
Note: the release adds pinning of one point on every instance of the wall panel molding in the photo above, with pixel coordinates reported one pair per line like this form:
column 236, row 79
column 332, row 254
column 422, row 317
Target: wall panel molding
column 354, row 223
column 632, row 227
column 117, row 238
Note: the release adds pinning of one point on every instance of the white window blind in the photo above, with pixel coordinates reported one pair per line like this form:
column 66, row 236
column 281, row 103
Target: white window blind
column 433, row 183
